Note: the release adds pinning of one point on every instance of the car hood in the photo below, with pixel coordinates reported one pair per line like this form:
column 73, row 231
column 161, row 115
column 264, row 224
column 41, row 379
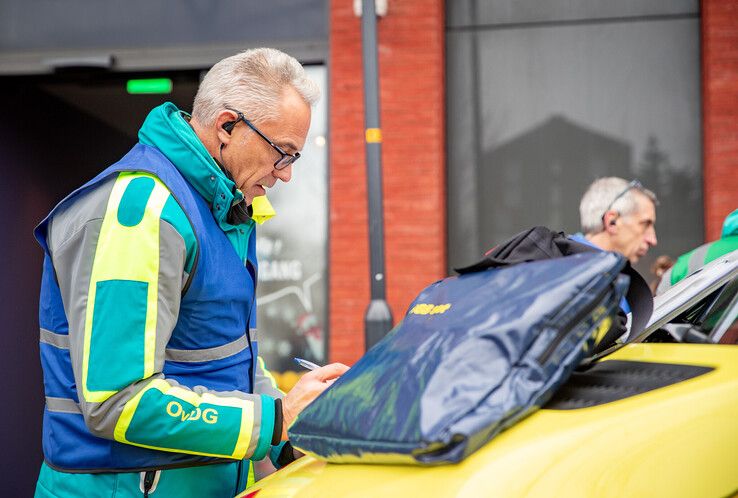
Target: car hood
column 677, row 440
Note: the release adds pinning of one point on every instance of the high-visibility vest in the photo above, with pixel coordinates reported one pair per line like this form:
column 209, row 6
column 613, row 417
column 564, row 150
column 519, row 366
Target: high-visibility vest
column 690, row 262
column 216, row 310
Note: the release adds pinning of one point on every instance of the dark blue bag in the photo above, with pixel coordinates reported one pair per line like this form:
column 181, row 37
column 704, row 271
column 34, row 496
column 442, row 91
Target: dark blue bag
column 473, row 355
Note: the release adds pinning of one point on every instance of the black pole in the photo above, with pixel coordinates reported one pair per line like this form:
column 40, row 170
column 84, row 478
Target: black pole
column 378, row 317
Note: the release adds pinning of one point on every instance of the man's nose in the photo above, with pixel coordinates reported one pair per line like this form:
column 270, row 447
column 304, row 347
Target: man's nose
column 284, row 174
column 651, row 237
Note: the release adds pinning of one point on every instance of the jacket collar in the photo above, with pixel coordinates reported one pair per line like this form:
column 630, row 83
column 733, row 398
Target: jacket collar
column 167, row 129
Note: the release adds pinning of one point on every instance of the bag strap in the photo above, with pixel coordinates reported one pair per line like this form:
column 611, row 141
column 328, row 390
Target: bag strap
column 542, row 243
column 639, row 299
column 529, row 245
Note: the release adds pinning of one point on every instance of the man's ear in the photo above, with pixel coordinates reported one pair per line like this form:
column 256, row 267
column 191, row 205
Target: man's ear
column 224, row 124
column 610, row 219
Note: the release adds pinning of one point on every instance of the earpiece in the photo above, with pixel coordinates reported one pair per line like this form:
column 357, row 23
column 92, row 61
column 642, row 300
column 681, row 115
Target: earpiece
column 228, row 126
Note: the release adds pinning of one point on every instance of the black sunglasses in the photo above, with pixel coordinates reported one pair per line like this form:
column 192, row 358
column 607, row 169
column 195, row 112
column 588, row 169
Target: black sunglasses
column 633, row 184
column 285, row 158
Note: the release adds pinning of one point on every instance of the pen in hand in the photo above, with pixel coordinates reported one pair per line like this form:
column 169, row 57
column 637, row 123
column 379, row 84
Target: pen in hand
column 306, row 364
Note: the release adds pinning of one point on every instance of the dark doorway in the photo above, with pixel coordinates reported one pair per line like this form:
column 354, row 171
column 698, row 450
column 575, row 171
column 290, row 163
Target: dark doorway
column 56, row 133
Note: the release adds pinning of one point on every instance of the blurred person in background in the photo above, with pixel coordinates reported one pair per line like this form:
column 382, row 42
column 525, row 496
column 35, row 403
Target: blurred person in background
column 695, row 259
column 659, row 269
column 152, row 377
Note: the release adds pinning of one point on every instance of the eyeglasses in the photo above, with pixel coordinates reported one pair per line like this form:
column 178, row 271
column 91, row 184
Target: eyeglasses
column 633, row 184
column 285, row 158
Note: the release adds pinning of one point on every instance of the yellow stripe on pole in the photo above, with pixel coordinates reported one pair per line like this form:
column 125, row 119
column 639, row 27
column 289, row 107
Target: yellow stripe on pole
column 373, row 135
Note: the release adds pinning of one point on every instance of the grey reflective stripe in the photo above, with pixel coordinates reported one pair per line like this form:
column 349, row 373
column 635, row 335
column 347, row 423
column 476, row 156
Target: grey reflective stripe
column 90, row 204
column 209, row 354
column 697, row 259
column 60, row 341
column 252, row 333
column 62, row 405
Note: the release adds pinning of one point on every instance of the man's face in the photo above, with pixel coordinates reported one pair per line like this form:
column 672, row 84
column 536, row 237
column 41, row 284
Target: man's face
column 250, row 158
column 636, row 232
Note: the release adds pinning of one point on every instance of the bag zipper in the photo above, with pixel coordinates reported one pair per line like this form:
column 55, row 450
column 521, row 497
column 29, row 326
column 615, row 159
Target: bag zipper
column 564, row 331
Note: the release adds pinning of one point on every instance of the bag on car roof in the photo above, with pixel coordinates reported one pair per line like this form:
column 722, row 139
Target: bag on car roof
column 539, row 243
column 473, row 355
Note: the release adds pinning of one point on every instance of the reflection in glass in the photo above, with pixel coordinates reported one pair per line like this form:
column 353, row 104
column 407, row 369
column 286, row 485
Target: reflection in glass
column 292, row 252
column 538, row 112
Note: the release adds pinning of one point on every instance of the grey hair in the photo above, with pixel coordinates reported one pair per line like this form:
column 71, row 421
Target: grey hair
column 252, row 82
column 601, row 194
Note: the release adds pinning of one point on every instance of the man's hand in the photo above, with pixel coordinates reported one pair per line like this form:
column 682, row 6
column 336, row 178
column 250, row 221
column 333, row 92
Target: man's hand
column 306, row 390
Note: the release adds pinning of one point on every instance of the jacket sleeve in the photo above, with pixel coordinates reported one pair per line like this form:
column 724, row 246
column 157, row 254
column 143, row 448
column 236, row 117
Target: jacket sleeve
column 121, row 273
column 283, row 453
column 264, row 382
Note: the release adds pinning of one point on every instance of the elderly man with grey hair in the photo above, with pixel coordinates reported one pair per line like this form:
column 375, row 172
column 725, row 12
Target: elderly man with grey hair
column 152, row 377
column 619, row 216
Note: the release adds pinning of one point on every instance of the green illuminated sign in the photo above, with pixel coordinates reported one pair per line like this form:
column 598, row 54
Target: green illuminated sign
column 151, row 85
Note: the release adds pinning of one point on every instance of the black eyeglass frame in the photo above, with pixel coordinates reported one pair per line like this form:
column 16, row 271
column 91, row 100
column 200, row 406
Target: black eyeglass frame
column 633, row 184
column 285, row 158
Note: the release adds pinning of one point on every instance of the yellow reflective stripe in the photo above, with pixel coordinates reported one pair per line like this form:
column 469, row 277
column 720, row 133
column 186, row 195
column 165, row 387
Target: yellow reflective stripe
column 129, row 409
column 246, row 406
column 251, row 479
column 247, row 420
column 268, row 374
column 119, row 256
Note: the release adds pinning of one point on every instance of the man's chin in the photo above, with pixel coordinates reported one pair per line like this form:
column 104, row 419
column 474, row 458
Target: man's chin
column 249, row 195
column 253, row 192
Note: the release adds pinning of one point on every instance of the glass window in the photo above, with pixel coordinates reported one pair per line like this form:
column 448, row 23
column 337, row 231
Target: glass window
column 728, row 333
column 496, row 12
column 293, row 271
column 719, row 319
column 715, row 316
column 537, row 111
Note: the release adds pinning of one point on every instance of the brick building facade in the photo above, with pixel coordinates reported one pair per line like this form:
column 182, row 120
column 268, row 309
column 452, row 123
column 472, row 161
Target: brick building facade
column 720, row 111
column 411, row 66
column 411, row 63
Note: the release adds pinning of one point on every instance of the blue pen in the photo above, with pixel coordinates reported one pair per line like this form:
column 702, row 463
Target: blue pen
column 307, row 364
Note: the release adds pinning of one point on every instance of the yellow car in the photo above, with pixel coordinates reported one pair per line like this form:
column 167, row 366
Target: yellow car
column 657, row 417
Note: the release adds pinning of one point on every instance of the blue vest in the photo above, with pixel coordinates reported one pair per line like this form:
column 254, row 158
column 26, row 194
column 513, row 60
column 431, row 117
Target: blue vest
column 216, row 308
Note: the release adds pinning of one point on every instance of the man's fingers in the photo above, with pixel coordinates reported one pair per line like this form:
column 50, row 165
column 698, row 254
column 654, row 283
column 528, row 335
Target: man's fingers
column 331, row 371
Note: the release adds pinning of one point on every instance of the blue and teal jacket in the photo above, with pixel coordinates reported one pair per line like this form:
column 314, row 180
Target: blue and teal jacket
column 579, row 237
column 147, row 315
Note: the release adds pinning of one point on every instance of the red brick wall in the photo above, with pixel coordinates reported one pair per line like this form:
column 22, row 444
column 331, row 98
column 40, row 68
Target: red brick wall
column 720, row 110
column 411, row 67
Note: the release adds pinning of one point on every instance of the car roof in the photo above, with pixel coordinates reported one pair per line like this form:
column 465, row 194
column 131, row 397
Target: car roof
column 683, row 295
column 686, row 292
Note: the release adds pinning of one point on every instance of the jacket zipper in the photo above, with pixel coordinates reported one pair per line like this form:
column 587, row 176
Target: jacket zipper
column 148, row 481
column 564, row 331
